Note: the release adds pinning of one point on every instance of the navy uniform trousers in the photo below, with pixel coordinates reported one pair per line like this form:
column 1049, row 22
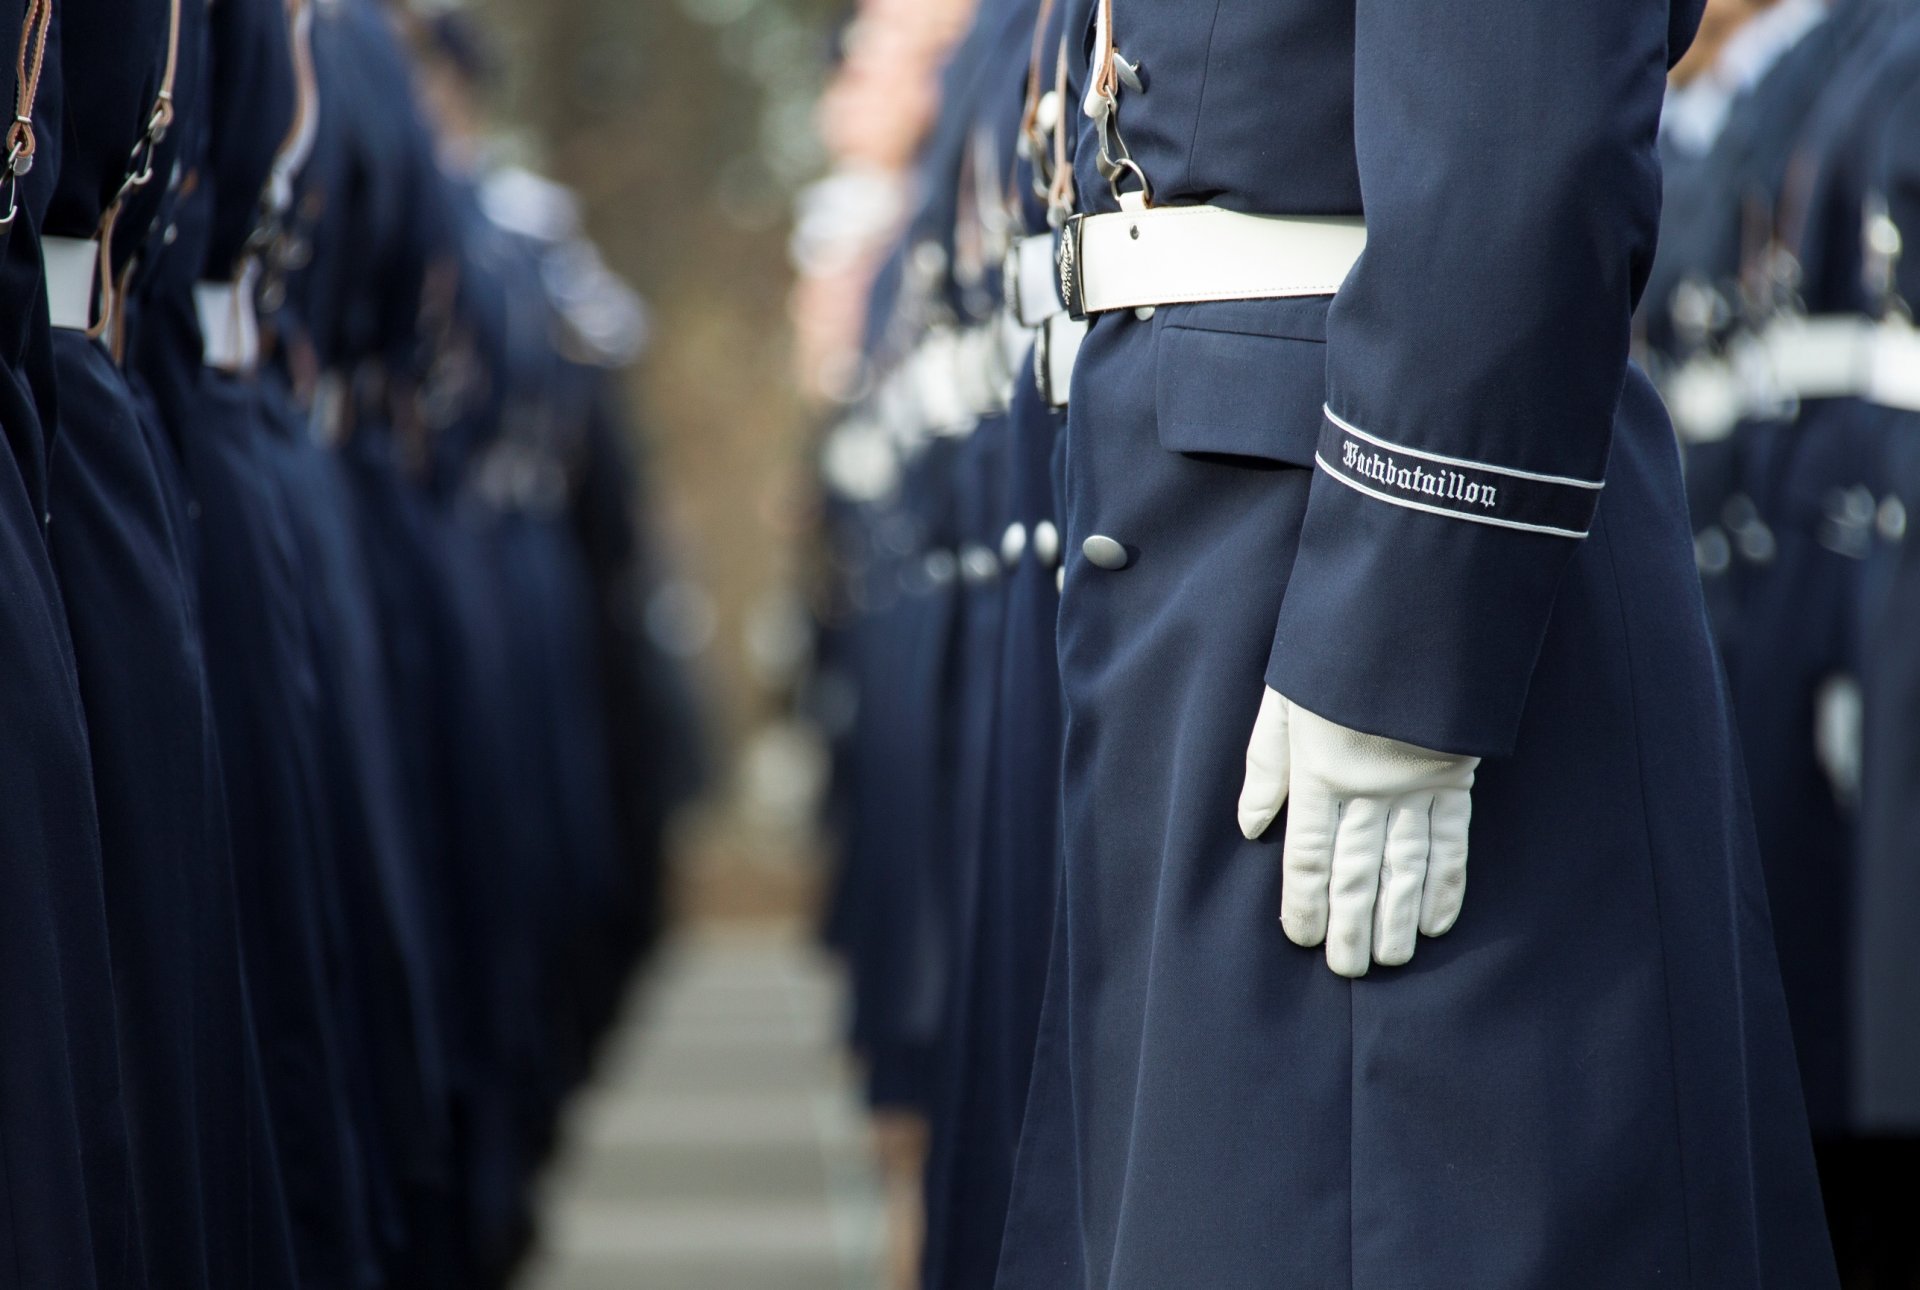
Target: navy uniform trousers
column 1589, row 1081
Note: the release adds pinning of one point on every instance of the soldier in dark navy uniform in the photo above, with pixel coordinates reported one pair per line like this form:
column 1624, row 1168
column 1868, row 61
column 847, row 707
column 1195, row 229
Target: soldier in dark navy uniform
column 981, row 98
column 128, row 75
column 197, row 343
column 217, row 1209
column 391, row 1025
column 66, row 1178
column 1413, row 493
column 1855, row 261
column 1800, row 524
column 1886, row 1061
column 1005, row 918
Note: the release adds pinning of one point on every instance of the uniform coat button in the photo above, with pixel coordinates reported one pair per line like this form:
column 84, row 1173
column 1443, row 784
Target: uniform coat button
column 1104, row 553
column 1046, row 542
column 978, row 566
column 1013, row 543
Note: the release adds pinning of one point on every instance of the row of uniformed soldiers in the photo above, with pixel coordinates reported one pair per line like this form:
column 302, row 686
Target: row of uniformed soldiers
column 1780, row 321
column 333, row 755
column 1090, row 1024
column 938, row 613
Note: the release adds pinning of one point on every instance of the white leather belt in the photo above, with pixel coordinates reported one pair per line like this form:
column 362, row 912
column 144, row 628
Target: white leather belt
column 1168, row 255
column 1033, row 300
column 1031, row 283
column 1896, row 367
column 1767, row 375
column 955, row 377
column 72, row 270
column 229, row 328
column 1055, row 347
column 1825, row 357
column 934, row 400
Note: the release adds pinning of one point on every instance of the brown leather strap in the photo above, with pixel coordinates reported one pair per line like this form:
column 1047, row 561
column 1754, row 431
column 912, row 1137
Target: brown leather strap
column 1030, row 117
column 20, row 137
column 269, row 246
column 139, row 174
column 1060, row 195
column 1110, row 72
column 1106, row 69
column 294, row 146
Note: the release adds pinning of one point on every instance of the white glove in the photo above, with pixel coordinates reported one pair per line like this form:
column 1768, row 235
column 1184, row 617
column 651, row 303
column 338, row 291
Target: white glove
column 1376, row 848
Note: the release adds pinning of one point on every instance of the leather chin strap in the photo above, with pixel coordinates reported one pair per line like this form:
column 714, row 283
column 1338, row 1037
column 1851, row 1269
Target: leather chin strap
column 21, row 142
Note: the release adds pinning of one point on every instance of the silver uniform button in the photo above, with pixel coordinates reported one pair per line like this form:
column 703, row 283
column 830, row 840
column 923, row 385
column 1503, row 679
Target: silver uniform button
column 1049, row 114
column 1104, row 553
column 1046, row 542
column 1060, row 579
column 977, row 565
column 1891, row 519
column 1013, row 543
column 940, row 567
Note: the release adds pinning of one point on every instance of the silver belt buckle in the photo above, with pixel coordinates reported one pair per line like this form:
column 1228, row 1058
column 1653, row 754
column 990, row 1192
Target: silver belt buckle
column 1072, row 270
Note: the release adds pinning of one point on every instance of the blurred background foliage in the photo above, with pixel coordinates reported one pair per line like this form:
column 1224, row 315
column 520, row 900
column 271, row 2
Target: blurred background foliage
column 687, row 127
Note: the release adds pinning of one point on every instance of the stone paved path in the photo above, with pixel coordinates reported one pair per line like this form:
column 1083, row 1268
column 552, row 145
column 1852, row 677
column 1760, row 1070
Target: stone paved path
column 721, row 1146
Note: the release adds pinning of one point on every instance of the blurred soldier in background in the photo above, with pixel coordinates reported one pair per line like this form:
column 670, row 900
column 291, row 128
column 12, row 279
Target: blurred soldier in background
column 66, row 1174
column 1780, row 317
column 1146, row 1045
column 326, row 864
column 865, row 296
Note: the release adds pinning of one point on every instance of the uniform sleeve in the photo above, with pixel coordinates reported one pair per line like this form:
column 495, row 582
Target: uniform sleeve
column 1475, row 357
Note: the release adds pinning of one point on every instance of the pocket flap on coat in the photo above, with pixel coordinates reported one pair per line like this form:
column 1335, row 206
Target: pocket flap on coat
column 1242, row 379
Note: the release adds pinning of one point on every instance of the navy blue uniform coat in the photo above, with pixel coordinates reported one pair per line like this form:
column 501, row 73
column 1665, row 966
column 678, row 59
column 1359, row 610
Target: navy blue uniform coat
column 1589, row 1081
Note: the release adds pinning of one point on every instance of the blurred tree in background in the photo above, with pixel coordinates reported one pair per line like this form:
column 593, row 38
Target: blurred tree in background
column 686, row 127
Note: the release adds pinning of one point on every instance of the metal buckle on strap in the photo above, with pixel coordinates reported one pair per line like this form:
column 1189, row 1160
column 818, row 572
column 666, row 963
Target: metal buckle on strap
column 19, row 161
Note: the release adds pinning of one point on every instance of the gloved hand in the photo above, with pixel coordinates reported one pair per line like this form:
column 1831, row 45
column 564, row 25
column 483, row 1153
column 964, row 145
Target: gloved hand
column 1376, row 846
